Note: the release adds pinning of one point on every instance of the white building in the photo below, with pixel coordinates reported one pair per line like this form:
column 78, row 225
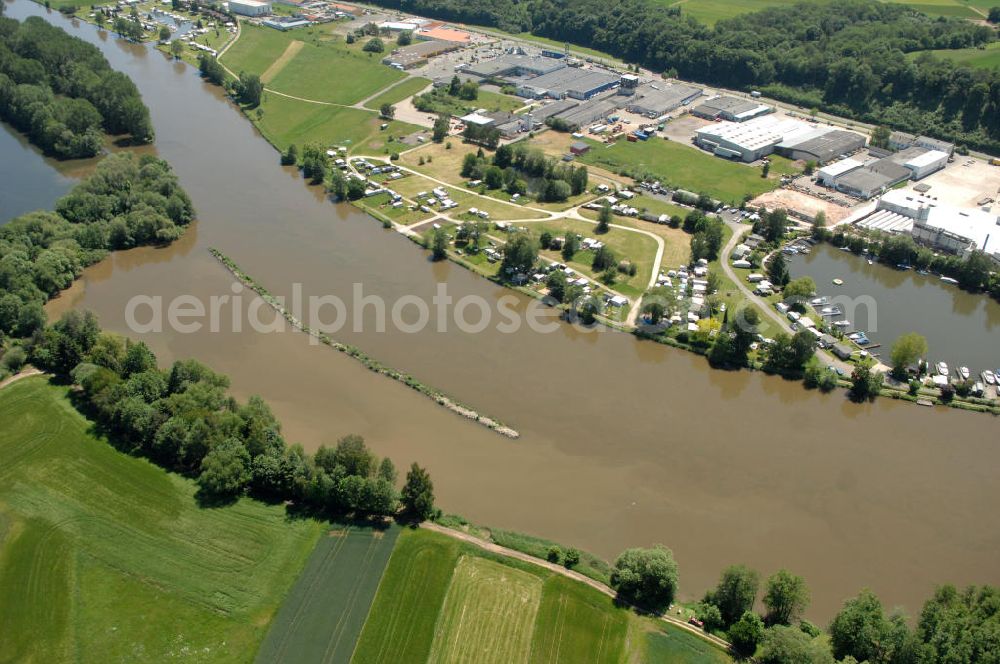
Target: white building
column 927, row 163
column 828, row 174
column 956, row 230
column 250, row 7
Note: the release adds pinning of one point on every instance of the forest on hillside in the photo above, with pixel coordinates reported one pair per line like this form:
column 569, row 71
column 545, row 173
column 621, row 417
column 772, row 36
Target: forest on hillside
column 848, row 58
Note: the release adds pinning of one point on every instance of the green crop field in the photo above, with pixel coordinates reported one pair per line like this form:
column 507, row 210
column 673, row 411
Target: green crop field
column 105, row 557
column 488, row 614
column 398, row 92
column 577, row 624
column 448, row 602
column 668, row 645
column 400, row 628
column 683, row 166
column 323, row 614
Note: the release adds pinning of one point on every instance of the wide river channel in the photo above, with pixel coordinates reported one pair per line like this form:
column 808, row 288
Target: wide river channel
column 623, row 443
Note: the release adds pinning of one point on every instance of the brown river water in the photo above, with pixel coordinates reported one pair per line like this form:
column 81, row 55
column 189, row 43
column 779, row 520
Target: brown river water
column 623, row 443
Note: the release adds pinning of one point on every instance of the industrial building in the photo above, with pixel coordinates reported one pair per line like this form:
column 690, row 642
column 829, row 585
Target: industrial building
column 418, row 53
column 656, row 99
column 955, row 230
column 440, row 33
column 821, row 144
column 590, row 111
column 250, row 7
column 731, row 109
column 754, row 139
column 828, row 174
column 568, row 82
column 285, row 22
column 900, row 140
column 511, row 66
column 867, row 180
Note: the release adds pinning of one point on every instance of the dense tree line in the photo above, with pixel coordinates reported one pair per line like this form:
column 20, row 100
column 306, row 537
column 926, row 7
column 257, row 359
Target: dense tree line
column 62, row 93
column 128, row 201
column 847, row 57
column 517, row 169
column 183, row 419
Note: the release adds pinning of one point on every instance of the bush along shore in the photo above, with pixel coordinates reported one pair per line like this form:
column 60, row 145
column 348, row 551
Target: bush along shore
column 369, row 362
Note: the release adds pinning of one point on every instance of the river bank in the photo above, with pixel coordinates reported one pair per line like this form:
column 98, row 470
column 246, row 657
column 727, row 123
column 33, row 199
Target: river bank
column 622, row 443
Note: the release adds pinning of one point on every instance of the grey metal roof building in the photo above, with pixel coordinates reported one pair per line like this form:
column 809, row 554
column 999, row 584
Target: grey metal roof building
column 418, row 53
column 824, row 146
column 657, row 99
column 569, row 82
column 590, row 111
column 863, row 183
column 515, row 65
column 730, row 108
column 554, row 108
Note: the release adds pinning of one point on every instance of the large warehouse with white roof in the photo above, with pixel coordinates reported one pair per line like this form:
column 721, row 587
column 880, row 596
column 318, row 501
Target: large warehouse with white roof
column 757, row 138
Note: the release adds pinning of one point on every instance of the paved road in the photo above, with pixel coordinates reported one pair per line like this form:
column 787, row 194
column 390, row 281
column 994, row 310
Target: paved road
column 559, row 569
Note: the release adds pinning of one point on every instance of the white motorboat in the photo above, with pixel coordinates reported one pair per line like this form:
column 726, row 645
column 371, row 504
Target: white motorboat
column 942, row 368
column 963, row 373
column 989, row 377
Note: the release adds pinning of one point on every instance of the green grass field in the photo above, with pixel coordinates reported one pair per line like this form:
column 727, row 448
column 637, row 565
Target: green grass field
column 488, row 614
column 984, row 58
column 322, row 617
column 256, row 49
column 684, row 166
column 576, row 624
column 400, row 628
column 445, row 601
column 285, row 121
column 322, row 69
column 712, row 11
column 666, row 645
column 333, row 73
column 398, row 92
column 106, row 557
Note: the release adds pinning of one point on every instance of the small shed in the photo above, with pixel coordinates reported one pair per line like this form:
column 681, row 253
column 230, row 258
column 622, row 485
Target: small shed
column 579, row 147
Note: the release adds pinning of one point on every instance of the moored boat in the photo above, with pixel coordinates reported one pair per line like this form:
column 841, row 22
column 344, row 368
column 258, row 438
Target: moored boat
column 942, row 368
column 989, row 377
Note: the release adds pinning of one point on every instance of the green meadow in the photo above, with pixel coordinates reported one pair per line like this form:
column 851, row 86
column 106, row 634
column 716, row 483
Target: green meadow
column 106, row 557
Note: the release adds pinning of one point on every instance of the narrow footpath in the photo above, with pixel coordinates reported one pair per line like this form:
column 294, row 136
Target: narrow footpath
column 559, row 569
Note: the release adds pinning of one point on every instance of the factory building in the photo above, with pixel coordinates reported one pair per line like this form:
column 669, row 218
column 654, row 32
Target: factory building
column 925, row 162
column 751, row 140
column 955, row 230
column 731, row 109
column 820, row 144
column 510, row 66
column 656, row 99
column 828, row 175
column 568, row 82
column 250, row 7
column 417, row 54
column 590, row 111
column 900, row 140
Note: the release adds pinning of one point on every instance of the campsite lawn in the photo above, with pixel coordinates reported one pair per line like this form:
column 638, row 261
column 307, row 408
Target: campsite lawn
column 105, row 557
column 488, row 614
column 665, row 644
column 683, row 166
column 638, row 248
column 400, row 627
column 398, row 92
column 322, row 617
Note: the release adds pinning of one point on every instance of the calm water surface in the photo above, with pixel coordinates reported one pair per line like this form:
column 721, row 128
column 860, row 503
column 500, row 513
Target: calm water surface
column 961, row 328
column 28, row 181
column 623, row 443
